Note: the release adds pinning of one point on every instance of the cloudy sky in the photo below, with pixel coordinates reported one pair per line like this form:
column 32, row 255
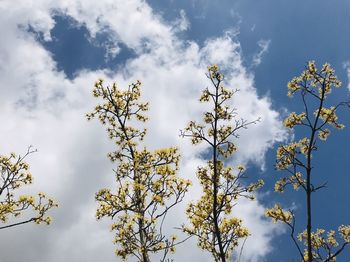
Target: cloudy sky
column 52, row 52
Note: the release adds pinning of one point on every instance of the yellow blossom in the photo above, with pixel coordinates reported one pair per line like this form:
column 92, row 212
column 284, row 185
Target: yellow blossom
column 221, row 184
column 147, row 184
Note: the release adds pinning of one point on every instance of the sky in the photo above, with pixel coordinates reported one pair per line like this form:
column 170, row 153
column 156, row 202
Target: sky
column 52, row 52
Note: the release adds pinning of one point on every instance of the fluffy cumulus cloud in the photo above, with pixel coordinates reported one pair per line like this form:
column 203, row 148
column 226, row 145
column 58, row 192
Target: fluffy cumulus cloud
column 40, row 106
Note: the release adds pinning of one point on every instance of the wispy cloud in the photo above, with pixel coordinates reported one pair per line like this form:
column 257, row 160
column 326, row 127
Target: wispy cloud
column 264, row 47
column 346, row 66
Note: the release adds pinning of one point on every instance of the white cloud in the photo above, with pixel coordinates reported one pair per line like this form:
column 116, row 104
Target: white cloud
column 131, row 22
column 40, row 106
column 182, row 23
column 264, row 47
column 346, row 65
column 256, row 245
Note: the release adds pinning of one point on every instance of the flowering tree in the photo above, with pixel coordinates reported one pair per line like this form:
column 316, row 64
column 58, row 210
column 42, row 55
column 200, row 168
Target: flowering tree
column 14, row 173
column 295, row 158
column 147, row 185
column 210, row 219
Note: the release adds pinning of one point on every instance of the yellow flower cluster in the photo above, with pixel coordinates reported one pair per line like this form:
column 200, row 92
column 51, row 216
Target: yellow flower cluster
column 147, row 181
column 210, row 217
column 313, row 85
column 319, row 239
column 328, row 115
column 214, row 72
column 197, row 132
column 324, row 243
column 227, row 150
column 278, row 214
column 323, row 134
column 14, row 173
column 296, row 180
column 312, row 79
column 202, row 226
column 345, row 232
column 286, row 154
column 293, row 86
column 294, row 119
column 119, row 106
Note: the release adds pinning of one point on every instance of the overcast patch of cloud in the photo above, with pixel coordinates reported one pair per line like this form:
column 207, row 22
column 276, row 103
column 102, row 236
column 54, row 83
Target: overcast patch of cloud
column 42, row 107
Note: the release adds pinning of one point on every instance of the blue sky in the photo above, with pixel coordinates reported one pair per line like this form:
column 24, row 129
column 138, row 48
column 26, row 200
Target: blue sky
column 53, row 53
